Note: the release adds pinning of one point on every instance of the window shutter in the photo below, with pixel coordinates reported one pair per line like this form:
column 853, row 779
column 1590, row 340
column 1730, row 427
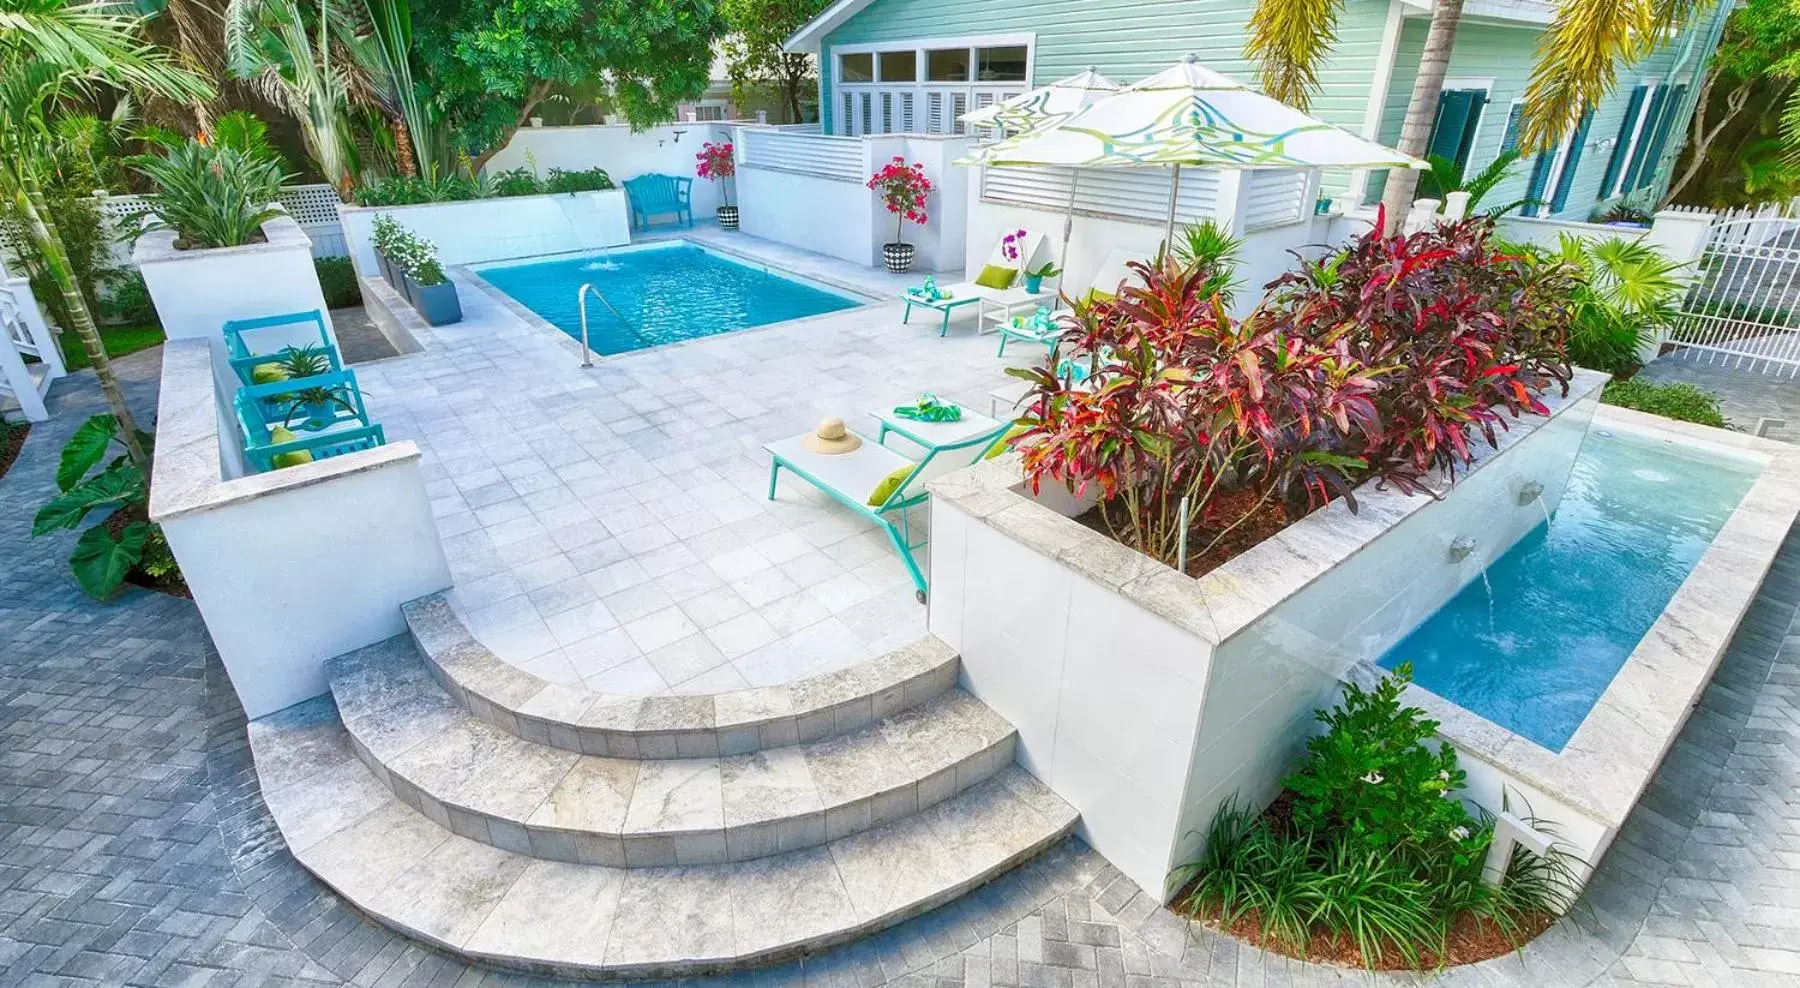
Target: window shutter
column 1622, row 144
column 1510, row 139
column 1540, row 176
column 1664, row 125
column 1652, row 120
column 1566, row 181
column 1454, row 132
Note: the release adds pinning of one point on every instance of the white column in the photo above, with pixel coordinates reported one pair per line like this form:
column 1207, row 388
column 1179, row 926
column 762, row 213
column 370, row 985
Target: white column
column 1680, row 235
column 1232, row 206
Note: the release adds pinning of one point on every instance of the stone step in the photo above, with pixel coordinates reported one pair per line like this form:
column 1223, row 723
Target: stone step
column 494, row 787
column 509, row 910
column 735, row 723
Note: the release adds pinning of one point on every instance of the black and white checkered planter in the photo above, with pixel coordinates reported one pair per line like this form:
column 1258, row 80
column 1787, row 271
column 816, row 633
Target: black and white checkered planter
column 728, row 217
column 898, row 257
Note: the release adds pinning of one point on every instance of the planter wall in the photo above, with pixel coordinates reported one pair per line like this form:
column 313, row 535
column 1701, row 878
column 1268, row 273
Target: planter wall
column 292, row 567
column 497, row 229
column 1145, row 697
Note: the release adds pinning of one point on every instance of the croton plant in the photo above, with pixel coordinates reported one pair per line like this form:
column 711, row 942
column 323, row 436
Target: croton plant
column 1382, row 360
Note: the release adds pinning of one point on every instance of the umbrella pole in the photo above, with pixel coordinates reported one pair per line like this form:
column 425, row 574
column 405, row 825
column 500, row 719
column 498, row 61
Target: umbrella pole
column 1062, row 264
column 1174, row 192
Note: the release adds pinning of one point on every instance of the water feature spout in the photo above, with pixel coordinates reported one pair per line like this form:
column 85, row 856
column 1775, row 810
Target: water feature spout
column 1460, row 547
column 1530, row 492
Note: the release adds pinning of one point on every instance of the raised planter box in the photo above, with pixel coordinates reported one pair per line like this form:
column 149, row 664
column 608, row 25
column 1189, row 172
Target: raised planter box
column 1146, row 697
column 497, row 229
column 436, row 304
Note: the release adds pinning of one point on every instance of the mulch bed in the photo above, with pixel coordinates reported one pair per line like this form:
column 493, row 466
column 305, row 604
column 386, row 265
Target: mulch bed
column 12, row 439
column 1214, row 540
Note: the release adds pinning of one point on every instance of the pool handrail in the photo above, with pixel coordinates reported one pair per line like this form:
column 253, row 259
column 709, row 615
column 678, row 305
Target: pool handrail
column 587, row 352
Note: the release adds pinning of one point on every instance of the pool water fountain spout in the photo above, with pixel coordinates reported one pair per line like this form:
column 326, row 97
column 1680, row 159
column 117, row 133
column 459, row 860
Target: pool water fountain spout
column 1460, row 547
column 1534, row 491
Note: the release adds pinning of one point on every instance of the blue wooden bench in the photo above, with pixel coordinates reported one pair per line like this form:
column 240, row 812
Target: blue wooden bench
column 657, row 194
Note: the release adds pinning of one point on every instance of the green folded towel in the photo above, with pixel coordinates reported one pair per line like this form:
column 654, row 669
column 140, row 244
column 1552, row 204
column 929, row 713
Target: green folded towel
column 929, row 409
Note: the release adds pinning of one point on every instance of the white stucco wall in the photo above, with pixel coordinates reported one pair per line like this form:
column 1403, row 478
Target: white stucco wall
column 497, row 229
column 668, row 149
column 824, row 215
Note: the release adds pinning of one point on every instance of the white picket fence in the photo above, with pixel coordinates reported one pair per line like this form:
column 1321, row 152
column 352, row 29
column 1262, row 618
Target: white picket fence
column 1743, row 310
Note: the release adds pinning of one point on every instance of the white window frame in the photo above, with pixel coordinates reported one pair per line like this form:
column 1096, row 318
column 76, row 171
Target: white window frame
column 919, row 85
column 1639, row 131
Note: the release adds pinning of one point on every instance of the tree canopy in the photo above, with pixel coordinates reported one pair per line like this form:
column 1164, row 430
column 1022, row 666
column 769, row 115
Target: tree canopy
column 489, row 63
column 758, row 29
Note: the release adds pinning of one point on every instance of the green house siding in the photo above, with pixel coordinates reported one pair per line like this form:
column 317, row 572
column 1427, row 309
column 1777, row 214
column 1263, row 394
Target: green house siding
column 1127, row 40
column 1505, row 54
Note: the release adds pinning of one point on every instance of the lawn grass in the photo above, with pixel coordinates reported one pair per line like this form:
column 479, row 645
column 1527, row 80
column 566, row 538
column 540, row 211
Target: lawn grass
column 119, row 340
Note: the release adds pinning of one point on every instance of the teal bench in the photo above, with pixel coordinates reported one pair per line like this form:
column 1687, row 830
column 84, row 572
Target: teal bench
column 657, row 194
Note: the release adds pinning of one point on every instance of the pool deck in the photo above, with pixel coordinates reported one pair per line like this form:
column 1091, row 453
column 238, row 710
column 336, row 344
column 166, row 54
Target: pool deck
column 608, row 526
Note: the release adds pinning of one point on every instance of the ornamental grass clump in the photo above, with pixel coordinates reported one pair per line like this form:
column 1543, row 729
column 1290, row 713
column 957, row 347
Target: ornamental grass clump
column 211, row 196
column 1181, row 401
column 1370, row 856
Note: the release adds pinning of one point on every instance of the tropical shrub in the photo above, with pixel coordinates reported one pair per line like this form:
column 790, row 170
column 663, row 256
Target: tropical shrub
column 902, row 190
column 210, row 196
column 1682, row 402
column 1464, row 334
column 1446, row 176
column 519, row 181
column 1370, row 848
column 125, row 298
column 578, row 180
column 1193, row 403
column 1626, row 290
column 125, row 539
column 337, row 279
column 716, row 163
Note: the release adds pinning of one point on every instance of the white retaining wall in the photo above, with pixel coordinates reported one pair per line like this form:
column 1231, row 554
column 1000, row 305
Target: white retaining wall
column 667, row 148
column 497, row 229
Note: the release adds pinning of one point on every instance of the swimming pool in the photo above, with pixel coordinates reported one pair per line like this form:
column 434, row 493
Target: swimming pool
column 1533, row 644
column 662, row 293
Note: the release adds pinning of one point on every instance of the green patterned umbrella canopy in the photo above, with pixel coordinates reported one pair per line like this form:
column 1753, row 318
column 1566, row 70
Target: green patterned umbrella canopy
column 1189, row 115
column 1044, row 105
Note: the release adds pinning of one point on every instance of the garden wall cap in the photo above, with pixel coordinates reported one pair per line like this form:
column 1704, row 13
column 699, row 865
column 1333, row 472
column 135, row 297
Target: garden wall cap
column 282, row 233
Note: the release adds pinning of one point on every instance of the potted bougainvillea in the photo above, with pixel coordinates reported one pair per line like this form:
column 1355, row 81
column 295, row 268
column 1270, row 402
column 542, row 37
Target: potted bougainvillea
column 716, row 163
column 902, row 189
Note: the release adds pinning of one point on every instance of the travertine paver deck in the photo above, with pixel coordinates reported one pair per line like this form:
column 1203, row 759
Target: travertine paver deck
column 135, row 848
column 609, row 527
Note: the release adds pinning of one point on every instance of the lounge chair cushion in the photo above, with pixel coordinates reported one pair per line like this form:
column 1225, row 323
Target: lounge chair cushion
column 283, row 434
column 996, row 276
column 1006, row 441
column 889, row 484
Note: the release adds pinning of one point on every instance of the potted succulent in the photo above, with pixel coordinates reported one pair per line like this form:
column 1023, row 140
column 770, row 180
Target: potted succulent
column 902, row 189
column 317, row 408
column 1034, row 279
column 716, row 162
column 427, row 288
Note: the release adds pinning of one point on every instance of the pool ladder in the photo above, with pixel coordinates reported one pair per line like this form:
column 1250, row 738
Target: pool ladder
column 581, row 294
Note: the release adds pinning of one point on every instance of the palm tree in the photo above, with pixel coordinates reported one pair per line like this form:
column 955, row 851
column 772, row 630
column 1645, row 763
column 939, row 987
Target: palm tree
column 268, row 42
column 385, row 56
column 1578, row 60
column 48, row 50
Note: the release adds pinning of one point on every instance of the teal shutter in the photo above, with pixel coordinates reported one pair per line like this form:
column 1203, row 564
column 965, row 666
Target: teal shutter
column 1540, row 176
column 1459, row 110
column 1664, row 126
column 1622, row 144
column 1652, row 120
column 1510, row 139
column 1566, row 180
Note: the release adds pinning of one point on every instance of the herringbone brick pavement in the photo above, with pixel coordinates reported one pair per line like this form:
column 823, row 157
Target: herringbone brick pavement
column 135, row 849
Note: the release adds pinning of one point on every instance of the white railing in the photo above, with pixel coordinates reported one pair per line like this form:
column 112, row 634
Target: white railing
column 1123, row 193
column 865, row 109
column 838, row 158
column 24, row 333
column 1743, row 310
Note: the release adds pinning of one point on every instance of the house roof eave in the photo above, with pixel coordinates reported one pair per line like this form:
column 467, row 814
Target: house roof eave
column 1530, row 13
column 813, row 32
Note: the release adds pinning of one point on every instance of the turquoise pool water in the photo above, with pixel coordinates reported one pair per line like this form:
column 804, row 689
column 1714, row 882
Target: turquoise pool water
column 1533, row 646
column 662, row 294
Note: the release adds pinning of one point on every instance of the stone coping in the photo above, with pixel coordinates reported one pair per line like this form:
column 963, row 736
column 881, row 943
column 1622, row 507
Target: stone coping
column 158, row 246
column 480, row 782
column 186, row 476
column 690, row 726
column 1611, row 758
column 1227, row 600
column 352, row 208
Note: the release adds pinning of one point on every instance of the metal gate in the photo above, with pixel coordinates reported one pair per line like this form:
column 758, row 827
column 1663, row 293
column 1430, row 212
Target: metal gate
column 1744, row 309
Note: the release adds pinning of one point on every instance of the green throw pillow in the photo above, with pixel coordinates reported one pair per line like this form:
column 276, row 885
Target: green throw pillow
column 996, row 276
column 283, row 434
column 268, row 373
column 889, row 484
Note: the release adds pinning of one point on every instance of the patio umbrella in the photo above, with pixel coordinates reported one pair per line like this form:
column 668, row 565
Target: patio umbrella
column 1189, row 115
column 1042, row 107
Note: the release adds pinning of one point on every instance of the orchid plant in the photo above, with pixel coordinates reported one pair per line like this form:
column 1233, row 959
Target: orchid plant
column 1012, row 244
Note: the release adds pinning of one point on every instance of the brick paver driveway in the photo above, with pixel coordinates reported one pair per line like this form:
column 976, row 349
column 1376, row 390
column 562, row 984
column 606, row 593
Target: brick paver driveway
column 135, row 849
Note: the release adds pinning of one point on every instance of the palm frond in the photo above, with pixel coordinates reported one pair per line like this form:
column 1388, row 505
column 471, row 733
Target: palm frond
column 1577, row 62
column 94, row 40
column 1289, row 41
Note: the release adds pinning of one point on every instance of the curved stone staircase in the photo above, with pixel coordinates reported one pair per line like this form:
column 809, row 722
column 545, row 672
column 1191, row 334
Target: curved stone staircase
column 536, row 827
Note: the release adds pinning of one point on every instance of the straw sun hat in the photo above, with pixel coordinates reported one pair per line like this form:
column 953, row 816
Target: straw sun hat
column 832, row 438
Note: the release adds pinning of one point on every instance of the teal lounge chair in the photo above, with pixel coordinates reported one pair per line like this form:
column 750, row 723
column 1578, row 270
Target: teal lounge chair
column 1000, row 272
column 852, row 478
column 1106, row 281
column 328, row 428
column 657, row 194
column 273, row 334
